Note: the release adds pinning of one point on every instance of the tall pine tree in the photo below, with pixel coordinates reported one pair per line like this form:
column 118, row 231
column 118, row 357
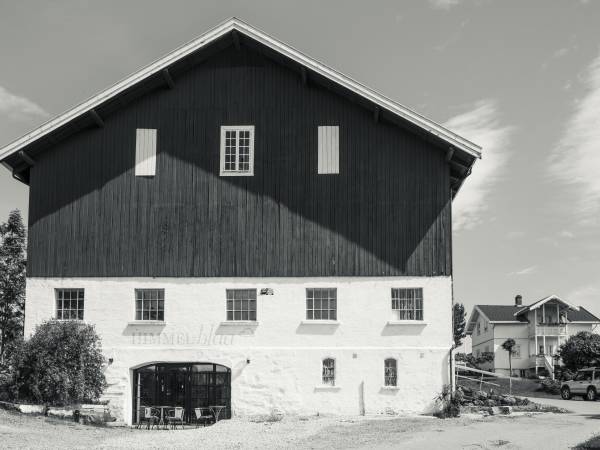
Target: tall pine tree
column 459, row 323
column 12, row 280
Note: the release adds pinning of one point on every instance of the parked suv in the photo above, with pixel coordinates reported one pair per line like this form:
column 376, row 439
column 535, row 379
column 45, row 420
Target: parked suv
column 586, row 383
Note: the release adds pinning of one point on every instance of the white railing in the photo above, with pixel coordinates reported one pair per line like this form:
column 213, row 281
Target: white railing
column 545, row 361
column 548, row 330
column 549, row 363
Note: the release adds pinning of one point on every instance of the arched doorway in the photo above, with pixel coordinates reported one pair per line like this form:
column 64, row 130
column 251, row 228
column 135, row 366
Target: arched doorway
column 189, row 385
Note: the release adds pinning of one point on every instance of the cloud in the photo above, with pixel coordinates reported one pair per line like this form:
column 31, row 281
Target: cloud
column 525, row 271
column 560, row 52
column 515, row 235
column 575, row 160
column 481, row 125
column 444, row 4
column 566, row 234
column 18, row 108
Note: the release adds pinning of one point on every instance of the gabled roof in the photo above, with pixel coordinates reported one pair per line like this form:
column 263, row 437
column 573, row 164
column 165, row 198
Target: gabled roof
column 54, row 129
column 539, row 304
column 494, row 314
column 501, row 313
column 516, row 314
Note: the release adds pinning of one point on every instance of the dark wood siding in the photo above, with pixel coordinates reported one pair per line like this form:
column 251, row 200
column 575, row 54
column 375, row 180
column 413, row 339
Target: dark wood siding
column 386, row 213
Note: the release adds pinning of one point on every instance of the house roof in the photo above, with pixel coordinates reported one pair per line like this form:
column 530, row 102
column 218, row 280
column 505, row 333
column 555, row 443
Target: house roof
column 502, row 313
column 508, row 314
column 461, row 153
column 540, row 302
column 583, row 315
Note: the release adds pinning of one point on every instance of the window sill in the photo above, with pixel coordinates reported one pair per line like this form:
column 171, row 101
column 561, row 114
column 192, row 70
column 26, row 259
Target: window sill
column 406, row 322
column 239, row 323
column 237, row 174
column 320, row 322
column 326, row 387
column 147, row 322
column 390, row 388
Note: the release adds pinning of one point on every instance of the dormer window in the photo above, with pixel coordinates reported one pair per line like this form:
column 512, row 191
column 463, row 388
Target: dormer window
column 237, row 150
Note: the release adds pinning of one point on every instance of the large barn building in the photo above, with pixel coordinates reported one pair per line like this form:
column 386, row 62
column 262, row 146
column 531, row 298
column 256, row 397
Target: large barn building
column 247, row 227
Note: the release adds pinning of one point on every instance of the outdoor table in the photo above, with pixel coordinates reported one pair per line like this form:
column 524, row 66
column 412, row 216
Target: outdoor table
column 162, row 415
column 216, row 410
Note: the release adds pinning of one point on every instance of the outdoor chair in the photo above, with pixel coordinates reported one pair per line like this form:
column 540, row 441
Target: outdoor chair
column 203, row 415
column 150, row 416
column 176, row 417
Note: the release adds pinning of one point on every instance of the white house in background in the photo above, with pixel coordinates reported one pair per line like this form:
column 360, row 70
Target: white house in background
column 538, row 330
column 247, row 228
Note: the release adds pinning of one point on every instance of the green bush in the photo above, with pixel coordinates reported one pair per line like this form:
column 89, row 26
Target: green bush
column 581, row 350
column 62, row 363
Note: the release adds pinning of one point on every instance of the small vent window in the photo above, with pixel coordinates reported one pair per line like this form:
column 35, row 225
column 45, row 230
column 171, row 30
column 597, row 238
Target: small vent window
column 145, row 152
column 329, row 150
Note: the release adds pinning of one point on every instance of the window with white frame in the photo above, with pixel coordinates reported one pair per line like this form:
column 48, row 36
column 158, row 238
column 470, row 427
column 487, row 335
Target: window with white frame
column 390, row 372
column 485, row 326
column 478, row 328
column 329, row 371
column 149, row 304
column 516, row 351
column 237, row 150
column 407, row 303
column 241, row 304
column 321, row 304
column 69, row 304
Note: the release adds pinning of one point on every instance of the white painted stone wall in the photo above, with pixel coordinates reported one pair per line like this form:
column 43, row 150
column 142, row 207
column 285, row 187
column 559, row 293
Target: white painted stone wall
column 285, row 353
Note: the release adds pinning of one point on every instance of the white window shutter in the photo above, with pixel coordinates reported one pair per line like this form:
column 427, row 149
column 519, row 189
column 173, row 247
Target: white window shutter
column 145, row 152
column 329, row 150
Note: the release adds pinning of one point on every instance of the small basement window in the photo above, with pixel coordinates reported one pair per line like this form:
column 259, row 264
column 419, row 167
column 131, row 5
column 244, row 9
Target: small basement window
column 237, row 150
column 69, row 304
column 329, row 372
column 390, row 372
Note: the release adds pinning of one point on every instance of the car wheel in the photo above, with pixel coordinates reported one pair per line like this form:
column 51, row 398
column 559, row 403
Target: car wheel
column 591, row 394
column 565, row 393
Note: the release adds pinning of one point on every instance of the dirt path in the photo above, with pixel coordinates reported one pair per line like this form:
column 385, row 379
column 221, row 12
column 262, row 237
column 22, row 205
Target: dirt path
column 533, row 431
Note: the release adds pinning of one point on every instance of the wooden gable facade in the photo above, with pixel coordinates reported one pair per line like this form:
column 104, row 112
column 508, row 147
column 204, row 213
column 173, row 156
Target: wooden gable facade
column 386, row 212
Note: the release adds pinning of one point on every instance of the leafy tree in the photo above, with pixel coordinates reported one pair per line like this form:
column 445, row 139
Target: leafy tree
column 509, row 346
column 459, row 323
column 581, row 350
column 61, row 363
column 12, row 280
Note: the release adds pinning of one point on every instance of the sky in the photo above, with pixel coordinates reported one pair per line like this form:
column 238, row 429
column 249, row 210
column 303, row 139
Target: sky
column 520, row 78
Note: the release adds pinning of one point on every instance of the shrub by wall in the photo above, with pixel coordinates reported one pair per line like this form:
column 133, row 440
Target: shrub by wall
column 62, row 363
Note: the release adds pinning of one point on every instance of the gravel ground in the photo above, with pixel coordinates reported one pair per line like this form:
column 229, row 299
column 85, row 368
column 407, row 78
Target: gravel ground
column 527, row 431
